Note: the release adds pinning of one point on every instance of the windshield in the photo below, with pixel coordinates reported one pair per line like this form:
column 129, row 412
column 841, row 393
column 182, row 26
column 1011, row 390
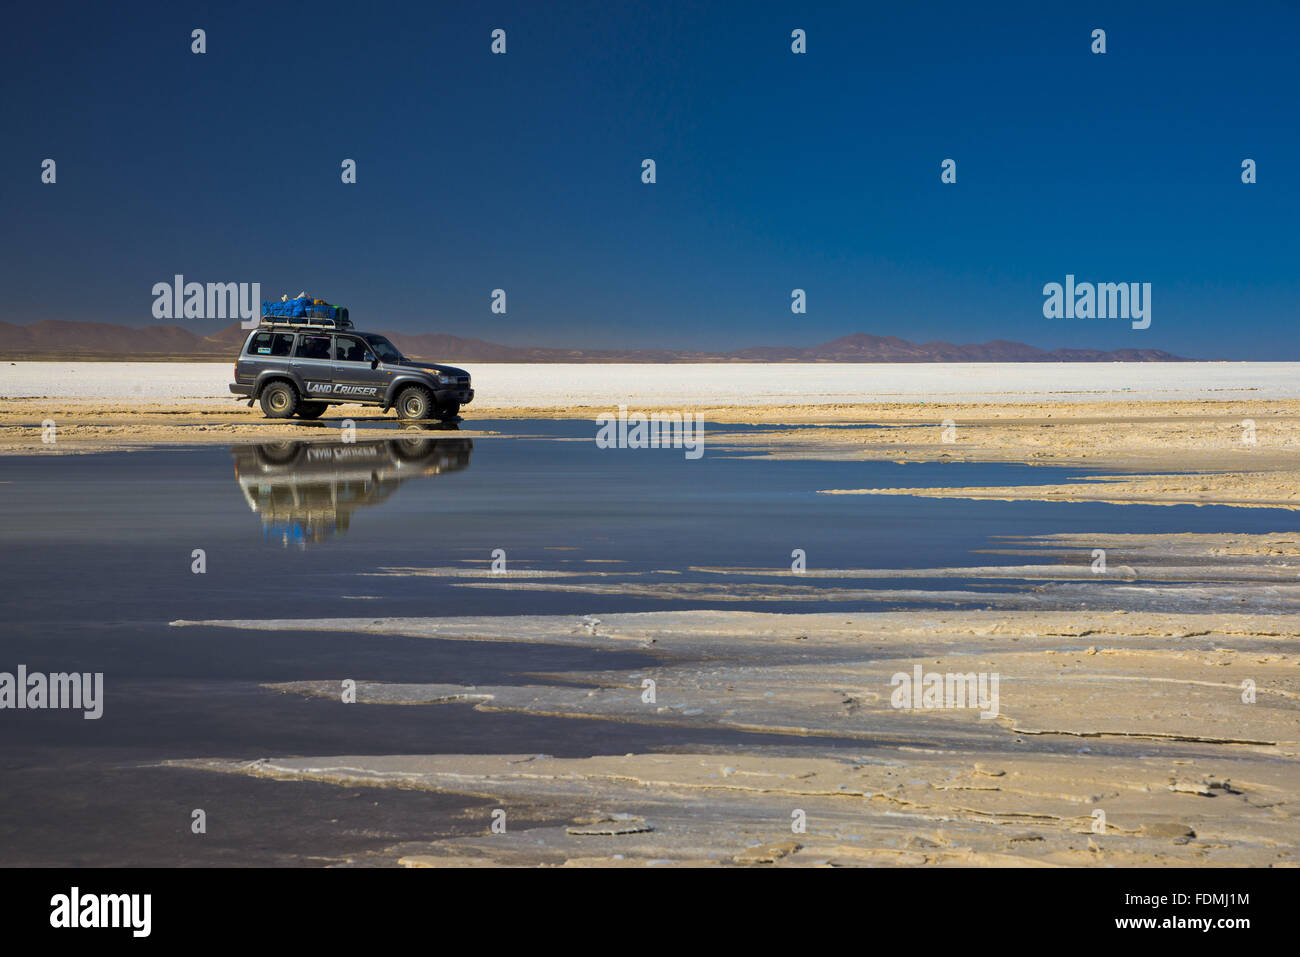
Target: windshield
column 384, row 349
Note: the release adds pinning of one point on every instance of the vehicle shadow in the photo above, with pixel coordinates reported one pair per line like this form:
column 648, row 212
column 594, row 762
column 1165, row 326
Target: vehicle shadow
column 430, row 425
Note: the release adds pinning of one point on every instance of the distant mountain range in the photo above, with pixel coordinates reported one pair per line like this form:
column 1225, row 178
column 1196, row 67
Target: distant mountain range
column 62, row 339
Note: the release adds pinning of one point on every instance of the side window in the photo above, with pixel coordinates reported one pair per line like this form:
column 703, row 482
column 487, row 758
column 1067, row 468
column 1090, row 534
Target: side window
column 270, row 344
column 313, row 347
column 348, row 349
column 260, row 344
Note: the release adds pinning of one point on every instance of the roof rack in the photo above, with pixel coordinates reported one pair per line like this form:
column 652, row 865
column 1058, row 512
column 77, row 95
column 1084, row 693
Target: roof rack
column 298, row 322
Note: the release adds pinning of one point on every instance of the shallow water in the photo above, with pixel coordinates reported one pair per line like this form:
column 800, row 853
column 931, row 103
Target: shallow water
column 98, row 554
column 287, row 527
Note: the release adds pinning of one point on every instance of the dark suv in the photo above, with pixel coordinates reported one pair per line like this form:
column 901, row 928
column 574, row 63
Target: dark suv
column 298, row 367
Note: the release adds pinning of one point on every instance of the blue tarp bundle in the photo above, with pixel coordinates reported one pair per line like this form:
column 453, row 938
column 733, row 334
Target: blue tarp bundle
column 303, row 308
column 288, row 309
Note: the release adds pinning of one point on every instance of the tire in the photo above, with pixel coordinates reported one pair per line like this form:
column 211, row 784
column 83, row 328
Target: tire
column 277, row 453
column 279, row 400
column 449, row 411
column 412, row 450
column 414, row 403
column 311, row 410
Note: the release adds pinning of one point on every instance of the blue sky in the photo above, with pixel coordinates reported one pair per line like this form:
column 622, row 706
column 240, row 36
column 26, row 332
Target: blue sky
column 775, row 170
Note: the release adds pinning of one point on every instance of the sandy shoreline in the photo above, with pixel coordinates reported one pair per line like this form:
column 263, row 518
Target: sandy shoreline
column 1149, row 736
column 1120, row 742
column 1241, row 453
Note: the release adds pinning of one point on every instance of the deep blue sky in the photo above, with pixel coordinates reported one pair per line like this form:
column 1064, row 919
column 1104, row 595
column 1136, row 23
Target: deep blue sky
column 775, row 171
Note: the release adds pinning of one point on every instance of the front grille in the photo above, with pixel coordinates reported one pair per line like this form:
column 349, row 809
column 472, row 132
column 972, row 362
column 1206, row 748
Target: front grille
column 462, row 382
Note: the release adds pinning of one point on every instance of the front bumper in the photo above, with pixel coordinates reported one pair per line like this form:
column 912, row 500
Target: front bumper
column 460, row 396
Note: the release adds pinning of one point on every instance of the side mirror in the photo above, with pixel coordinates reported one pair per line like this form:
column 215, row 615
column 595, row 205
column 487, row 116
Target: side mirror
column 370, row 357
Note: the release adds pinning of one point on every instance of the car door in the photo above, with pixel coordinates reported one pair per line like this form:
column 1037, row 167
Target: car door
column 356, row 377
column 312, row 363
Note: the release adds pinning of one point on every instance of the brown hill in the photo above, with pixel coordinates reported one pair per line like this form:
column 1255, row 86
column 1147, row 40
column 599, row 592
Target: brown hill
column 55, row 339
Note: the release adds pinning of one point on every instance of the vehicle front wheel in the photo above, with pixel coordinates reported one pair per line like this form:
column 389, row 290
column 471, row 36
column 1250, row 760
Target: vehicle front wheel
column 311, row 410
column 279, row 400
column 414, row 403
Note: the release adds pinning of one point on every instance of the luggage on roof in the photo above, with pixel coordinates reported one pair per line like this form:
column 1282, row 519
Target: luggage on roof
column 304, row 307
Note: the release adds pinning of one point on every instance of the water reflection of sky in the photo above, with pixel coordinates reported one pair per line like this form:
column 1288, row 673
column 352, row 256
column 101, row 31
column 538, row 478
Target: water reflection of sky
column 122, row 526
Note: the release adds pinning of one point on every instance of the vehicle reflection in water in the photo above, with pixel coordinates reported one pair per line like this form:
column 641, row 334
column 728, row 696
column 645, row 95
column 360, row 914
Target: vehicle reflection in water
column 306, row 492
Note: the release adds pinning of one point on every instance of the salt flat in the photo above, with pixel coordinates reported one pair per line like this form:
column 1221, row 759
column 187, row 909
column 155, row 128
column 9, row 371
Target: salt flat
column 510, row 385
column 1177, row 765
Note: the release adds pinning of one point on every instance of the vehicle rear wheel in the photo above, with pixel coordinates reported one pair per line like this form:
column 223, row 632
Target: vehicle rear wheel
column 449, row 411
column 414, row 403
column 277, row 453
column 311, row 410
column 279, row 400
